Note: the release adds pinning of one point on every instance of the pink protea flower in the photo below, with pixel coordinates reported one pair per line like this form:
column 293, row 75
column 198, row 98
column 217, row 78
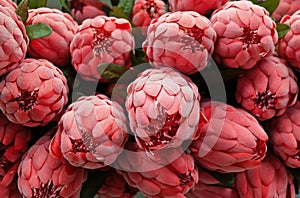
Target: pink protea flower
column 200, row 6
column 288, row 47
column 91, row 133
column 245, row 34
column 163, row 108
column 34, row 93
column 40, row 174
column 86, row 9
column 209, row 187
column 231, row 141
column 286, row 7
column 144, row 11
column 271, row 179
column 14, row 141
column 9, row 191
column 182, row 40
column 101, row 40
column 55, row 47
column 115, row 186
column 174, row 179
column 267, row 89
column 285, row 136
column 8, row 3
column 13, row 39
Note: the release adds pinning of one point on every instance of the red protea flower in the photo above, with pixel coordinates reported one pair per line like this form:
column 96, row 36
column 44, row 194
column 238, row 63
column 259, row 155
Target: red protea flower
column 86, row 9
column 8, row 3
column 13, row 39
column 115, row 186
column 163, row 108
column 267, row 89
column 286, row 7
column 182, row 40
column 91, row 133
column 271, row 179
column 144, row 11
column 209, row 187
column 9, row 191
column 41, row 174
column 245, row 34
column 288, row 47
column 231, row 141
column 200, row 6
column 285, row 136
column 55, row 47
column 34, row 93
column 14, row 140
column 101, row 40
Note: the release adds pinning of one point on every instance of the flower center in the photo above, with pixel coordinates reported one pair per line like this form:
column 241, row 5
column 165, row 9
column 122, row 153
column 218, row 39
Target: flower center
column 265, row 100
column 250, row 37
column 260, row 149
column 5, row 164
column 78, row 146
column 192, row 39
column 185, row 178
column 150, row 7
column 85, row 144
column 102, row 42
column 46, row 190
column 27, row 100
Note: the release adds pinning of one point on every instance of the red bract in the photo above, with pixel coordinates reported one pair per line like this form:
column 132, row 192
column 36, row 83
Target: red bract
column 14, row 140
column 163, row 108
column 231, row 141
column 268, row 89
column 209, row 187
column 101, row 40
column 9, row 190
column 85, row 9
column 285, row 136
column 288, row 46
column 34, row 93
column 271, row 179
column 182, row 40
column 55, row 47
column 285, row 7
column 13, row 39
column 91, row 133
column 8, row 3
column 115, row 186
column 144, row 11
column 245, row 34
column 43, row 175
column 200, row 6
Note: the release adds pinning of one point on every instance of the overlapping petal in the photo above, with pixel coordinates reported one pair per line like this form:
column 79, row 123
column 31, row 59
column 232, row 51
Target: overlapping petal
column 285, row 7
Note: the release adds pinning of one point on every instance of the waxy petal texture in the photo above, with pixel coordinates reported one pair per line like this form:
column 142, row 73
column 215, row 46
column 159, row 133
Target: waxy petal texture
column 285, row 7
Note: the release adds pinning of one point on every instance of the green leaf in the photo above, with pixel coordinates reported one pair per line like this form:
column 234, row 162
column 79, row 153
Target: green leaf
column 93, row 183
column 107, row 3
column 269, row 5
column 118, row 12
column 65, row 5
column 38, row 30
column 126, row 6
column 22, row 10
column 282, row 29
column 111, row 72
column 37, row 4
column 227, row 179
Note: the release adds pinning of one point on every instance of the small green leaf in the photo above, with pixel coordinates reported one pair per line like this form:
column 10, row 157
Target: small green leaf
column 22, row 10
column 269, row 5
column 111, row 72
column 38, row 30
column 93, row 183
column 118, row 12
column 107, row 3
column 227, row 179
column 37, row 4
column 282, row 29
column 65, row 5
column 126, row 6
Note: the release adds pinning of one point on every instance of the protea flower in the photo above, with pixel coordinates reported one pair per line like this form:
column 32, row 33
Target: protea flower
column 86, row 9
column 40, row 174
column 91, row 133
column 13, row 39
column 271, row 179
column 55, row 47
column 286, row 7
column 182, row 40
column 8, row 3
column 201, row 6
column 285, row 135
column 163, row 108
column 101, row 40
column 288, row 47
column 34, row 93
column 231, row 141
column 268, row 89
column 245, row 34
